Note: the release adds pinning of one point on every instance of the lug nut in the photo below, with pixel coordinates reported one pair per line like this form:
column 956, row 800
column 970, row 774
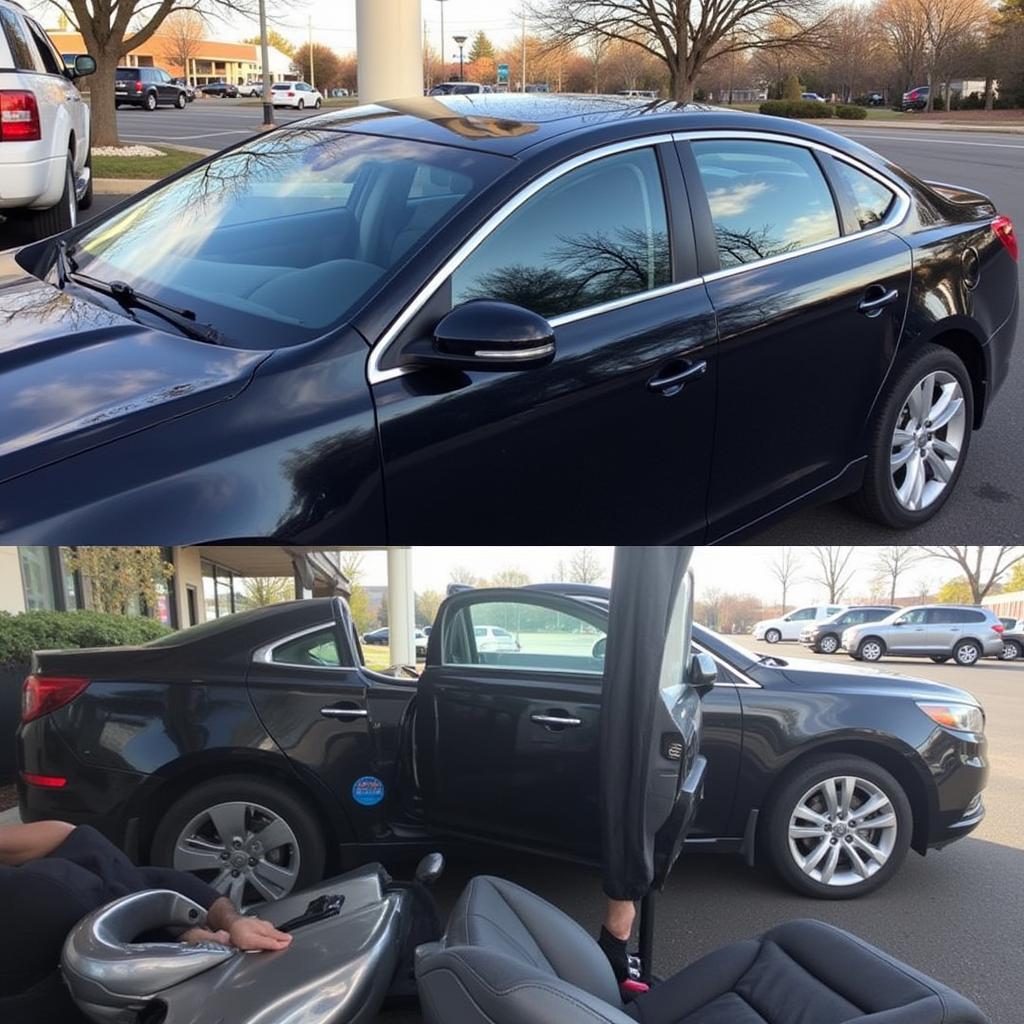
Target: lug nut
column 234, row 873
column 224, row 856
column 252, row 862
column 236, row 843
column 849, row 839
column 833, row 841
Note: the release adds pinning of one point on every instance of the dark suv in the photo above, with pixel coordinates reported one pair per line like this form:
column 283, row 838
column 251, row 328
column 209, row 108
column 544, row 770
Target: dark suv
column 825, row 635
column 148, row 88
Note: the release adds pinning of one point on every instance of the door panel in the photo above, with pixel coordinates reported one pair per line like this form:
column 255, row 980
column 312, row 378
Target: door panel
column 496, row 769
column 722, row 745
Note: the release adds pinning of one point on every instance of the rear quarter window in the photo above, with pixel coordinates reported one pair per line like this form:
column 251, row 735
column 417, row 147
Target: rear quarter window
column 18, row 41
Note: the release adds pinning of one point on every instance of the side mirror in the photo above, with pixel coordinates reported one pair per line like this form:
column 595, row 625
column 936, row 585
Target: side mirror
column 84, row 65
column 900, row 622
column 599, row 648
column 488, row 335
column 703, row 673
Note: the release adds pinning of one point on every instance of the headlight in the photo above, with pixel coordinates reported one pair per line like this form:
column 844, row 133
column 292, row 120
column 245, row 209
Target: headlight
column 959, row 717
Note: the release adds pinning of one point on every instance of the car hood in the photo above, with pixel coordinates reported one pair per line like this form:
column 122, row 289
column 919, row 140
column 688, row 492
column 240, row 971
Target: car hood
column 833, row 675
column 74, row 374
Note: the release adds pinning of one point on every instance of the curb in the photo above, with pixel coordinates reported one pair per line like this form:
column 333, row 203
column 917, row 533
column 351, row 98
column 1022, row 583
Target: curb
column 121, row 186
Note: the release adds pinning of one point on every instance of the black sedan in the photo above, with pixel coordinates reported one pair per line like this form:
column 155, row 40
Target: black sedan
column 263, row 732
column 224, row 90
column 411, row 319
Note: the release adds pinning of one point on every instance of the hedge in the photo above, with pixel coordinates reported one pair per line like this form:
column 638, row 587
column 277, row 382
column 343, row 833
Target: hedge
column 26, row 632
column 851, row 113
column 796, row 108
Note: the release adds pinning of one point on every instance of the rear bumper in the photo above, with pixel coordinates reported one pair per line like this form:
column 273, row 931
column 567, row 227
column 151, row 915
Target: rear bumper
column 999, row 350
column 35, row 183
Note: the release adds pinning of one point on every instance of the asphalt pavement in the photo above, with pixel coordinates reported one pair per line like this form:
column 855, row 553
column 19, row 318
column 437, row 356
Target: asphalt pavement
column 957, row 914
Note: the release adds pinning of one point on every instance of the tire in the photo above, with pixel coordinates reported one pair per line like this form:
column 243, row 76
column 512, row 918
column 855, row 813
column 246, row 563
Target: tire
column 873, row 783
column 36, row 224
column 772, row 636
column 939, row 659
column 86, row 201
column 301, row 105
column 117, row 106
column 827, row 644
column 150, row 101
column 968, row 653
column 1012, row 651
column 302, row 856
column 877, row 498
column 180, row 101
column 317, row 104
column 871, row 648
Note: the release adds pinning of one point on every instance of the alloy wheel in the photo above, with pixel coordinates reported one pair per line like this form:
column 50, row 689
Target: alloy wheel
column 242, row 849
column 842, row 831
column 928, row 440
column 967, row 653
column 1011, row 652
column 828, row 644
column 871, row 650
column 773, row 636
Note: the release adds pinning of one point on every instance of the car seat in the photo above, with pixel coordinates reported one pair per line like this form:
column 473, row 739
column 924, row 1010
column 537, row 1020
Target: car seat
column 509, row 957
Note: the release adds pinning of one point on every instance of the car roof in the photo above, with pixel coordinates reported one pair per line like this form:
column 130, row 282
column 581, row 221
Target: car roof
column 510, row 123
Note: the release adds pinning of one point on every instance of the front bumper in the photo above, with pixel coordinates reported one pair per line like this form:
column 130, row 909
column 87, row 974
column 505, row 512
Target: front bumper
column 972, row 817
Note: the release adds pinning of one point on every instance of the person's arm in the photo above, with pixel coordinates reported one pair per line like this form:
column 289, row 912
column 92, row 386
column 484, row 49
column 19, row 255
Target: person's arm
column 22, row 843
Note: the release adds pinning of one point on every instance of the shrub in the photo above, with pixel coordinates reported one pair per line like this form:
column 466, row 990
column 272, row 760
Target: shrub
column 795, row 108
column 26, row 632
column 851, row 113
column 791, row 88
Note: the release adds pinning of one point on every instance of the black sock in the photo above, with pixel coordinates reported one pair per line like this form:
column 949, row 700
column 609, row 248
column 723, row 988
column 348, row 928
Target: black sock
column 617, row 952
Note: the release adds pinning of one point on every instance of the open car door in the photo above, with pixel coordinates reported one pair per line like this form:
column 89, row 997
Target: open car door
column 651, row 768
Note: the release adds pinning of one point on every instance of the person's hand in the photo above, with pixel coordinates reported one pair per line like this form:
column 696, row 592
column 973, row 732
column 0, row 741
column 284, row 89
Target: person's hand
column 252, row 933
column 195, row 935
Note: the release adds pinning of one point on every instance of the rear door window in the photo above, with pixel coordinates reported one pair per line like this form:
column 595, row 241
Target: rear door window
column 869, row 199
column 767, row 199
column 22, row 51
column 314, row 650
column 51, row 60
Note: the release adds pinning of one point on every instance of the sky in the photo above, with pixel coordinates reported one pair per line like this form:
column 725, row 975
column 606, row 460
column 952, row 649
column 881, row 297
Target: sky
column 736, row 569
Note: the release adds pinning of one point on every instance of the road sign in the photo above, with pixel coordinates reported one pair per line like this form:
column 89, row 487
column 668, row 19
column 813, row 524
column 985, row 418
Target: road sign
column 502, row 74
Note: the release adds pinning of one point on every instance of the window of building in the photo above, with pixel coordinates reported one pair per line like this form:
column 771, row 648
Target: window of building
column 593, row 235
column 767, row 198
column 37, row 578
column 218, row 591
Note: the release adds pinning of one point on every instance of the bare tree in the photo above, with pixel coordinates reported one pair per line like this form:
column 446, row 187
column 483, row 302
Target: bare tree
column 111, row 28
column 834, row 571
column 891, row 563
column 981, row 565
column 584, row 566
column 463, row 574
column 901, row 24
column 784, row 568
column 510, row 576
column 182, row 35
column 681, row 34
column 946, row 25
column 708, row 609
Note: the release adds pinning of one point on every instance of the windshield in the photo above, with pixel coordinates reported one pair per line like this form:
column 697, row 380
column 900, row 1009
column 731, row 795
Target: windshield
column 283, row 238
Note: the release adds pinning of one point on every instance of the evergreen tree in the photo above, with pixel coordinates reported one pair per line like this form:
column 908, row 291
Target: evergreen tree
column 481, row 46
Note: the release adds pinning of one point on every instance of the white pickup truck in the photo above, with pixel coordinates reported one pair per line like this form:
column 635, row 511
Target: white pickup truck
column 45, row 164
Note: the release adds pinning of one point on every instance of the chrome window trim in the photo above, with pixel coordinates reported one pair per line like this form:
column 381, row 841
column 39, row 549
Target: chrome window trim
column 265, row 654
column 895, row 217
column 746, row 684
column 375, row 374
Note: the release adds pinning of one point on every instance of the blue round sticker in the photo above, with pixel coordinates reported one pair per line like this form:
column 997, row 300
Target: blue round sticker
column 368, row 790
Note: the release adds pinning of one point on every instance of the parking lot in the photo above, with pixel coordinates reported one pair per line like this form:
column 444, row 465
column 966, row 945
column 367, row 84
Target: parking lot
column 957, row 914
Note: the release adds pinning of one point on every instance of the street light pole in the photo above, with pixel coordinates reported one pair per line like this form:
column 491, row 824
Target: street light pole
column 268, row 106
column 523, row 82
column 441, row 54
column 460, row 40
column 309, row 26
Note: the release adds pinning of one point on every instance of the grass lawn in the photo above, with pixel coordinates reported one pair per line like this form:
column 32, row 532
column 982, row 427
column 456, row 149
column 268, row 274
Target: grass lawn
column 379, row 658
column 151, row 167
column 874, row 113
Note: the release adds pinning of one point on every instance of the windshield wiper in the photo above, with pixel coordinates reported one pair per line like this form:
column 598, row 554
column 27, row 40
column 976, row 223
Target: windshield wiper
column 128, row 298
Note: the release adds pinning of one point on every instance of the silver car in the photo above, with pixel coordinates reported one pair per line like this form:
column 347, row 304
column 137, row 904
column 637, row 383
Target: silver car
column 1013, row 639
column 937, row 631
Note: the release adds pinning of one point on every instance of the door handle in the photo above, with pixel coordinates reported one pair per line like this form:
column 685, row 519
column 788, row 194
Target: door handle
column 673, row 383
column 874, row 306
column 557, row 720
column 331, row 712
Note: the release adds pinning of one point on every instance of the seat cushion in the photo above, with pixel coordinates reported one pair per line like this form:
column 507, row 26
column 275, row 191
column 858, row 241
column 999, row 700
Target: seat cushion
column 803, row 972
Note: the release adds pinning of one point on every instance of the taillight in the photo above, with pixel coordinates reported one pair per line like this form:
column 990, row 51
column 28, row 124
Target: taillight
column 138, row 87
column 999, row 627
column 43, row 694
column 1003, row 228
column 46, row 781
column 291, row 94
column 19, row 116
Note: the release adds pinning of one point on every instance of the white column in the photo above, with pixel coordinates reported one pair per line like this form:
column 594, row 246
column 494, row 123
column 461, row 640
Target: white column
column 390, row 49
column 401, row 607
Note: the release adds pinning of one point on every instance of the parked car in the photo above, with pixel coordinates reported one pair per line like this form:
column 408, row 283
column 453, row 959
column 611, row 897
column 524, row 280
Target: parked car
column 875, row 99
column 190, row 89
column 458, row 89
column 916, row 98
column 295, row 94
column 1013, row 639
column 790, row 626
column 45, row 153
column 251, row 87
column 937, row 631
column 223, row 90
column 813, row 97
column 292, row 732
column 148, row 88
column 369, row 294
column 379, row 637
column 825, row 637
